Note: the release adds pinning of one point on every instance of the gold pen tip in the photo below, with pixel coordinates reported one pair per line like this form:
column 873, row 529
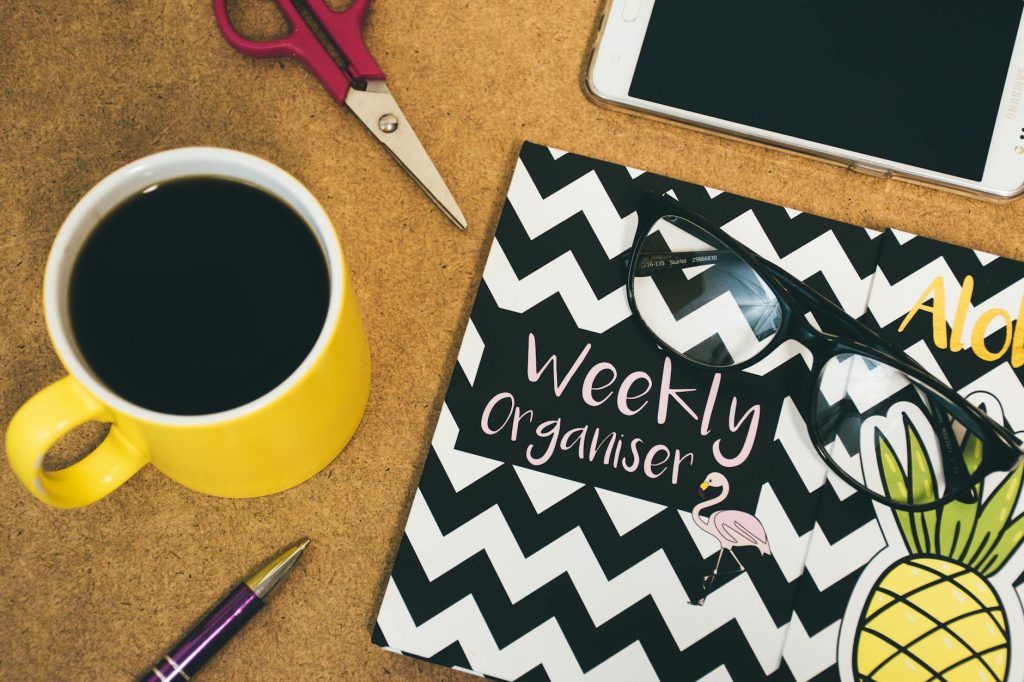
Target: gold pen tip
column 265, row 579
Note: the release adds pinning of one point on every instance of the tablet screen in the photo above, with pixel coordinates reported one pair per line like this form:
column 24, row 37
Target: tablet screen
column 913, row 82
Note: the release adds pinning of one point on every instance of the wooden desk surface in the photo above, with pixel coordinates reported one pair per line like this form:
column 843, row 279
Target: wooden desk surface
column 98, row 592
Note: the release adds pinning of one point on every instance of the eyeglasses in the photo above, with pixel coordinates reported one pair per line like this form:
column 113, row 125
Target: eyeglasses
column 720, row 307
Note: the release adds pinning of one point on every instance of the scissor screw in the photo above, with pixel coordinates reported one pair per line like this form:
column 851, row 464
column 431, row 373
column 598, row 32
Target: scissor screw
column 388, row 123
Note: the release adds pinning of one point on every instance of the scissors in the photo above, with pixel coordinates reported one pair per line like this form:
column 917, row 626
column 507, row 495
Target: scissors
column 359, row 85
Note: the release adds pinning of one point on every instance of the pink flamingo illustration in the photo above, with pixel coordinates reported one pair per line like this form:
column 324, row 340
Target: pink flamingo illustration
column 730, row 527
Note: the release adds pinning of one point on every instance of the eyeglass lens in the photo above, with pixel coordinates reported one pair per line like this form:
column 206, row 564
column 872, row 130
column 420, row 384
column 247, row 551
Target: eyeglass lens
column 886, row 432
column 700, row 299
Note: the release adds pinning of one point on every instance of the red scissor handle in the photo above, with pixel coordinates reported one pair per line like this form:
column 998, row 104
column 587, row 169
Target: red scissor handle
column 345, row 30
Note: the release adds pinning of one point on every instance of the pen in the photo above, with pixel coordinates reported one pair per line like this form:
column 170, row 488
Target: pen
column 221, row 624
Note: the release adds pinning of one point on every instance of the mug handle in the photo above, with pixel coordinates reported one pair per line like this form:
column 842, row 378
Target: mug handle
column 47, row 416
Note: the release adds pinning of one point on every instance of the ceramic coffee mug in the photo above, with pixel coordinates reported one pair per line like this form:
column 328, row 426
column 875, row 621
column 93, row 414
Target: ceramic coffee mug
column 270, row 444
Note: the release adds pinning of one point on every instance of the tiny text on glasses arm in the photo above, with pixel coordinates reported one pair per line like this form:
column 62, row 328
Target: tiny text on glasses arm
column 656, row 262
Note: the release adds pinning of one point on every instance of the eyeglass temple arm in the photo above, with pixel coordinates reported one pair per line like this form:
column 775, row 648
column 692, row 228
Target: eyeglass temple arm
column 835, row 314
column 958, row 479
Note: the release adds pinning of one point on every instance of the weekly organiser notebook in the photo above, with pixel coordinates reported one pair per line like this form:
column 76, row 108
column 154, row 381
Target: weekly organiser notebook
column 559, row 532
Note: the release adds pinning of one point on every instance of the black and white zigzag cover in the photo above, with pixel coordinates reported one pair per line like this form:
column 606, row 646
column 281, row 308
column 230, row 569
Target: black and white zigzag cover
column 552, row 535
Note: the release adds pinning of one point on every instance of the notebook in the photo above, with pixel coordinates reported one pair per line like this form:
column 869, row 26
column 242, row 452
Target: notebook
column 553, row 533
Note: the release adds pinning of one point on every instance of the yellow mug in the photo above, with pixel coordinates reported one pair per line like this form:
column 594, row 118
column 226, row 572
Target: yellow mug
column 265, row 446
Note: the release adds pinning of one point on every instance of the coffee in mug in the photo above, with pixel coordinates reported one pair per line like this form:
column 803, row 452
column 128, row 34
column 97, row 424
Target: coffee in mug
column 223, row 291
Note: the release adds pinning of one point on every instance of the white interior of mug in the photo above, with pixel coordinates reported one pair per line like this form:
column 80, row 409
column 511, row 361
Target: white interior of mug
column 135, row 178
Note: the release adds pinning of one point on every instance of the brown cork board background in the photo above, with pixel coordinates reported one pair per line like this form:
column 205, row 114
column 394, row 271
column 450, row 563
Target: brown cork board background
column 100, row 592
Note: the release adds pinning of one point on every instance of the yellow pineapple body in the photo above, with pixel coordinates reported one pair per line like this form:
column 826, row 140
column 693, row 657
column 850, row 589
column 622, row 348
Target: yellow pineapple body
column 930, row 618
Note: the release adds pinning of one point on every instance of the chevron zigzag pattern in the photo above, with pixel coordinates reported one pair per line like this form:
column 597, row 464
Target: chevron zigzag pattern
column 651, row 578
column 561, row 276
column 545, row 646
column 585, row 195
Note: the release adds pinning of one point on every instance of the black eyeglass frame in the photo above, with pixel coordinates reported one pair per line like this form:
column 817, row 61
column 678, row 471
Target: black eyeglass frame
column 1000, row 451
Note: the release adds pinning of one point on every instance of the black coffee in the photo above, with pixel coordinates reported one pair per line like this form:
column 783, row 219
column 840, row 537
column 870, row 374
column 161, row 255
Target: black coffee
column 198, row 296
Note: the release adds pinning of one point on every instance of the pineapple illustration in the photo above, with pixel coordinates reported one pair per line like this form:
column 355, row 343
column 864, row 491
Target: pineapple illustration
column 933, row 615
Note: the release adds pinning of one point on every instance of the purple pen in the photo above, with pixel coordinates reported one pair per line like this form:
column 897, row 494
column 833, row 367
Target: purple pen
column 221, row 624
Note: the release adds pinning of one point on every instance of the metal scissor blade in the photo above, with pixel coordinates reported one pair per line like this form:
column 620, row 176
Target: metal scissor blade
column 380, row 113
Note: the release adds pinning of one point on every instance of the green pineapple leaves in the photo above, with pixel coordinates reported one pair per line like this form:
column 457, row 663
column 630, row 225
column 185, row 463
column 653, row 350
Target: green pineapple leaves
column 1001, row 536
column 919, row 529
column 976, row 534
